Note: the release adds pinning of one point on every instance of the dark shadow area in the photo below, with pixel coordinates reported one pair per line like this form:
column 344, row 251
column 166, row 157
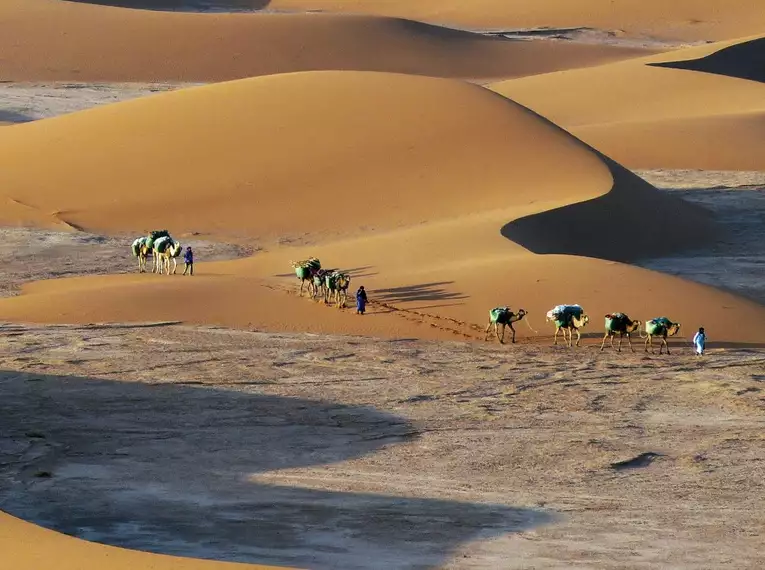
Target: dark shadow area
column 184, row 5
column 633, row 221
column 421, row 292
column 166, row 468
column 14, row 117
column 742, row 61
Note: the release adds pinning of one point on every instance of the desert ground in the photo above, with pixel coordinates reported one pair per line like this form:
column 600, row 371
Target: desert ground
column 451, row 157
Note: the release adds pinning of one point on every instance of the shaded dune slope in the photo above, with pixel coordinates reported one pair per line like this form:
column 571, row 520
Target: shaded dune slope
column 684, row 19
column 53, row 40
column 745, row 60
column 32, row 547
column 648, row 113
column 631, row 222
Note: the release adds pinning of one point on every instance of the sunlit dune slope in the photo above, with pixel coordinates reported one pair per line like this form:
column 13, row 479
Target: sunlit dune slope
column 323, row 154
column 685, row 19
column 30, row 547
column 649, row 113
column 56, row 40
column 317, row 152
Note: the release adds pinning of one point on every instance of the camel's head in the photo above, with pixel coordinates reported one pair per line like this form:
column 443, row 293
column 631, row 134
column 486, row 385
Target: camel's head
column 521, row 313
column 584, row 320
column 634, row 326
column 673, row 329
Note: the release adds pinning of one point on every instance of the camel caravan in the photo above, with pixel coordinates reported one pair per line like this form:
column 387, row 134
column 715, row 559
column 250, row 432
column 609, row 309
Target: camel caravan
column 161, row 247
column 330, row 284
column 571, row 318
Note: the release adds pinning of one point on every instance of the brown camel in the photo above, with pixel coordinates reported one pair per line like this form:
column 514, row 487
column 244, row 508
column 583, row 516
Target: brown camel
column 503, row 316
column 621, row 324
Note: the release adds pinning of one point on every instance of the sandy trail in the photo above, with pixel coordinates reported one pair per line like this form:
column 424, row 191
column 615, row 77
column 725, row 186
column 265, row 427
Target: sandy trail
column 414, row 455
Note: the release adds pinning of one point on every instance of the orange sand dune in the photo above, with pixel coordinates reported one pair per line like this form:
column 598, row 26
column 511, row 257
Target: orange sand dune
column 55, row 40
column 29, row 547
column 685, row 19
column 351, row 152
column 651, row 113
column 433, row 191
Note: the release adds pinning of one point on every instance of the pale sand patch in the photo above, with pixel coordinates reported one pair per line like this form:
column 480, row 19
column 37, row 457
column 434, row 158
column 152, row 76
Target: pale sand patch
column 327, row 452
column 24, row 102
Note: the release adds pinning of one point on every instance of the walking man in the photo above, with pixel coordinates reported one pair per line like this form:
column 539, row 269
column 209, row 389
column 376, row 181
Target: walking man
column 361, row 301
column 188, row 258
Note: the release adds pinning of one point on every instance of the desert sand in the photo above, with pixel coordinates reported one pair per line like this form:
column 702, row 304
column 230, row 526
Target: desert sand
column 697, row 108
column 53, row 40
column 449, row 170
column 686, row 19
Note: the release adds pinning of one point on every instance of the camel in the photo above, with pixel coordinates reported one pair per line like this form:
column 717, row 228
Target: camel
column 141, row 252
column 305, row 270
column 170, row 250
column 336, row 287
column 503, row 316
column 621, row 324
column 568, row 318
column 316, row 287
column 661, row 327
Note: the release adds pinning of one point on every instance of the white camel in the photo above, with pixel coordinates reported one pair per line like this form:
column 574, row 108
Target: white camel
column 568, row 318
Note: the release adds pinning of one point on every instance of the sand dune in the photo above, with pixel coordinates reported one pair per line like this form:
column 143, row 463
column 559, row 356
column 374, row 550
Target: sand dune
column 439, row 189
column 224, row 160
column 356, row 151
column 54, row 40
column 677, row 110
column 686, row 19
column 31, row 547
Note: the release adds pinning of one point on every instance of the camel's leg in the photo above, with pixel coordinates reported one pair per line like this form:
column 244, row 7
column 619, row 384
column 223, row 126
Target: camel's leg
column 578, row 337
column 500, row 338
column 486, row 332
column 512, row 329
column 621, row 336
column 629, row 340
column 555, row 342
column 645, row 344
column 664, row 340
column 603, row 344
column 175, row 265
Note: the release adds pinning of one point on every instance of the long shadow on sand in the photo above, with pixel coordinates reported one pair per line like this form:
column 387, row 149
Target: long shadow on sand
column 420, row 292
column 629, row 223
column 742, row 61
column 166, row 468
column 184, row 5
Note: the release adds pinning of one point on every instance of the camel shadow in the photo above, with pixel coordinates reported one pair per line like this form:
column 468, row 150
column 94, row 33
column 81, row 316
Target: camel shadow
column 421, row 292
column 173, row 469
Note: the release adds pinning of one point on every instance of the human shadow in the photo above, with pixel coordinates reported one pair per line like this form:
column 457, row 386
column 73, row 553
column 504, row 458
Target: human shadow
column 169, row 469
column 420, row 292
column 184, row 5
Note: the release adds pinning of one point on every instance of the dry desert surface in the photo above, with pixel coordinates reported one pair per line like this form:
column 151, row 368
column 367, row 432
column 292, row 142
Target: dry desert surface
column 449, row 156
